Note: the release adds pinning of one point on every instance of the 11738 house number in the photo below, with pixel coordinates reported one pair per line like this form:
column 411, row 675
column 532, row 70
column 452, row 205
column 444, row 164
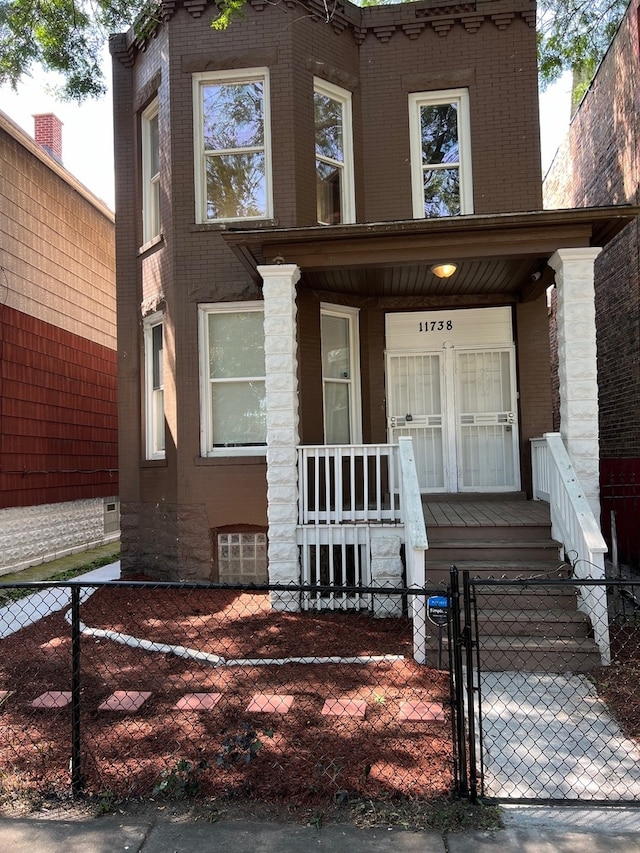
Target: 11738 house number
column 435, row 326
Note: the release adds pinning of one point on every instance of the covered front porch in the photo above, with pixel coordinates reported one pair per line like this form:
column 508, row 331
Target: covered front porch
column 353, row 511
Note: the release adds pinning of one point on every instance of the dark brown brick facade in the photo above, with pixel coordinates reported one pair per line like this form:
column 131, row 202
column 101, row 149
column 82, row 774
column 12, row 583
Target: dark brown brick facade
column 381, row 55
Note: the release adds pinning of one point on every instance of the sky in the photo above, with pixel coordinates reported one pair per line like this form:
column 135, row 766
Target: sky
column 87, row 133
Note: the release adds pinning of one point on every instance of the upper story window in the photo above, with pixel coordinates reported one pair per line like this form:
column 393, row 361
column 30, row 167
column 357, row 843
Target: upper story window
column 150, row 173
column 234, row 419
column 154, row 386
column 334, row 154
column 440, row 153
column 232, row 145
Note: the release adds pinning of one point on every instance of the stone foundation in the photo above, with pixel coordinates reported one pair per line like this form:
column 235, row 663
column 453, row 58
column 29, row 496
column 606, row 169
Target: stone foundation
column 166, row 542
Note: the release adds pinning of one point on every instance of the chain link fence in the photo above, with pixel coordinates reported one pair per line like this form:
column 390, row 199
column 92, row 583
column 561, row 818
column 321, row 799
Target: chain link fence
column 551, row 715
column 133, row 688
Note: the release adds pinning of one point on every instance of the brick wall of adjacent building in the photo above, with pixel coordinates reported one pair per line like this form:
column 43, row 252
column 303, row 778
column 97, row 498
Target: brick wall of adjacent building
column 598, row 164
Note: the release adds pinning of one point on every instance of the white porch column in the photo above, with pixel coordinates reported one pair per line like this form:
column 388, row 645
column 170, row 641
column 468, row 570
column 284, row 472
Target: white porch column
column 577, row 367
column 281, row 391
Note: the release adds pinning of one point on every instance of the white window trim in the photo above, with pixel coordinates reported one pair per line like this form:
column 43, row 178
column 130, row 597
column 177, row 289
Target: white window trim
column 343, row 96
column 151, row 413
column 444, row 96
column 239, row 75
column 355, row 405
column 206, row 429
column 150, row 182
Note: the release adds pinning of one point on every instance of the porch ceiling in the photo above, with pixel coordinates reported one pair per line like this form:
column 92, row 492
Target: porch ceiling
column 501, row 254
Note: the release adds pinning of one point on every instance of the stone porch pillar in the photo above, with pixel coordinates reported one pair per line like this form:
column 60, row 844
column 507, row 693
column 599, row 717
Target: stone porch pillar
column 577, row 368
column 281, row 391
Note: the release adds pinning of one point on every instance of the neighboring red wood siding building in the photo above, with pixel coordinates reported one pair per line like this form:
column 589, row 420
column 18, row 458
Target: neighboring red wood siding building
column 58, row 408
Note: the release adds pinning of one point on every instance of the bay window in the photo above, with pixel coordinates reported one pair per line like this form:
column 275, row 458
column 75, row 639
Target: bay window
column 232, row 145
column 150, row 173
column 154, row 386
column 233, row 378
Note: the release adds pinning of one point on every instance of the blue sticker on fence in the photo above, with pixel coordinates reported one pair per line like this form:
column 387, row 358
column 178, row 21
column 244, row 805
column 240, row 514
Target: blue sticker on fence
column 438, row 609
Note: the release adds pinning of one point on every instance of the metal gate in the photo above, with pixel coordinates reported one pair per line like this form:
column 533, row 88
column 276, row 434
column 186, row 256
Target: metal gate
column 541, row 732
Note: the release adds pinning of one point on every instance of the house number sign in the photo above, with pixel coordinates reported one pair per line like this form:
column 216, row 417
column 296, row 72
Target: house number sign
column 435, row 325
column 429, row 330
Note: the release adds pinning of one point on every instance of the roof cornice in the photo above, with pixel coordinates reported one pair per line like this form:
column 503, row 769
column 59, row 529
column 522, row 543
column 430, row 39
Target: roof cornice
column 379, row 22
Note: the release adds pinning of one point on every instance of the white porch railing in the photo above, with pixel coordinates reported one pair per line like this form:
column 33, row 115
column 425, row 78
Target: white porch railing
column 344, row 492
column 575, row 526
column 348, row 483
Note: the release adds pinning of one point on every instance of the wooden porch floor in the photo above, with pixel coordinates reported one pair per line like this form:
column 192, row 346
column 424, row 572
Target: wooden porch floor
column 484, row 512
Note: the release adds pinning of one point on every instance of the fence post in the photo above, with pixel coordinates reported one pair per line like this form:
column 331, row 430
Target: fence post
column 76, row 772
column 468, row 640
column 455, row 651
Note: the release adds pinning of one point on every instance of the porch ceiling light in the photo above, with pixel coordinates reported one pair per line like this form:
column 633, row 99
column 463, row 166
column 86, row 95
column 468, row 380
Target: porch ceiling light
column 443, row 270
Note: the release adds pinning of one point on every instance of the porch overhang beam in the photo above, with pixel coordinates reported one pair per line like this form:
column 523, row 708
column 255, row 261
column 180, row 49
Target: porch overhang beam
column 390, row 252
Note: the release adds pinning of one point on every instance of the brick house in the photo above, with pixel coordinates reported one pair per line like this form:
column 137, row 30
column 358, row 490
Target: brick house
column 598, row 164
column 288, row 191
column 58, row 409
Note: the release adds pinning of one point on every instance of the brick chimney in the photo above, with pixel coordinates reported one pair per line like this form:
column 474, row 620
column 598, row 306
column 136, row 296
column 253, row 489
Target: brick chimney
column 48, row 133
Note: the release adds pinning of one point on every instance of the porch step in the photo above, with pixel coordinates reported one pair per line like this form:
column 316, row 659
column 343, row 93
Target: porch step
column 492, row 549
column 537, row 598
column 523, row 628
column 554, row 622
column 556, row 654
column 532, row 531
column 438, row 571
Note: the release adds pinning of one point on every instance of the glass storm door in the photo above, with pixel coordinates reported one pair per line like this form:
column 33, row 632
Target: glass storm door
column 486, row 428
column 458, row 406
column 414, row 405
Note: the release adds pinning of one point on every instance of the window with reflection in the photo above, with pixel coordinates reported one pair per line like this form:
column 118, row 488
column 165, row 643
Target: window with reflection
column 334, row 154
column 232, row 145
column 440, row 153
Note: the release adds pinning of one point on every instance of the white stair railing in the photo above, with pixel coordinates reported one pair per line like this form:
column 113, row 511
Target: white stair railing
column 575, row 526
column 415, row 543
column 343, row 491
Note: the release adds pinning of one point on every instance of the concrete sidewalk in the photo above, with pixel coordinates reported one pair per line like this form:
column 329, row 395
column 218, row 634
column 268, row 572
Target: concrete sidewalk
column 529, row 829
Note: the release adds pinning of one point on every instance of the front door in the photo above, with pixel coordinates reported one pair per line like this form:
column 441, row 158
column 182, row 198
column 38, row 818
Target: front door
column 457, row 402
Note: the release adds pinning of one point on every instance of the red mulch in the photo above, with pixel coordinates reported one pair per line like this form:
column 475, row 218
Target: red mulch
column 619, row 683
column 305, row 756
